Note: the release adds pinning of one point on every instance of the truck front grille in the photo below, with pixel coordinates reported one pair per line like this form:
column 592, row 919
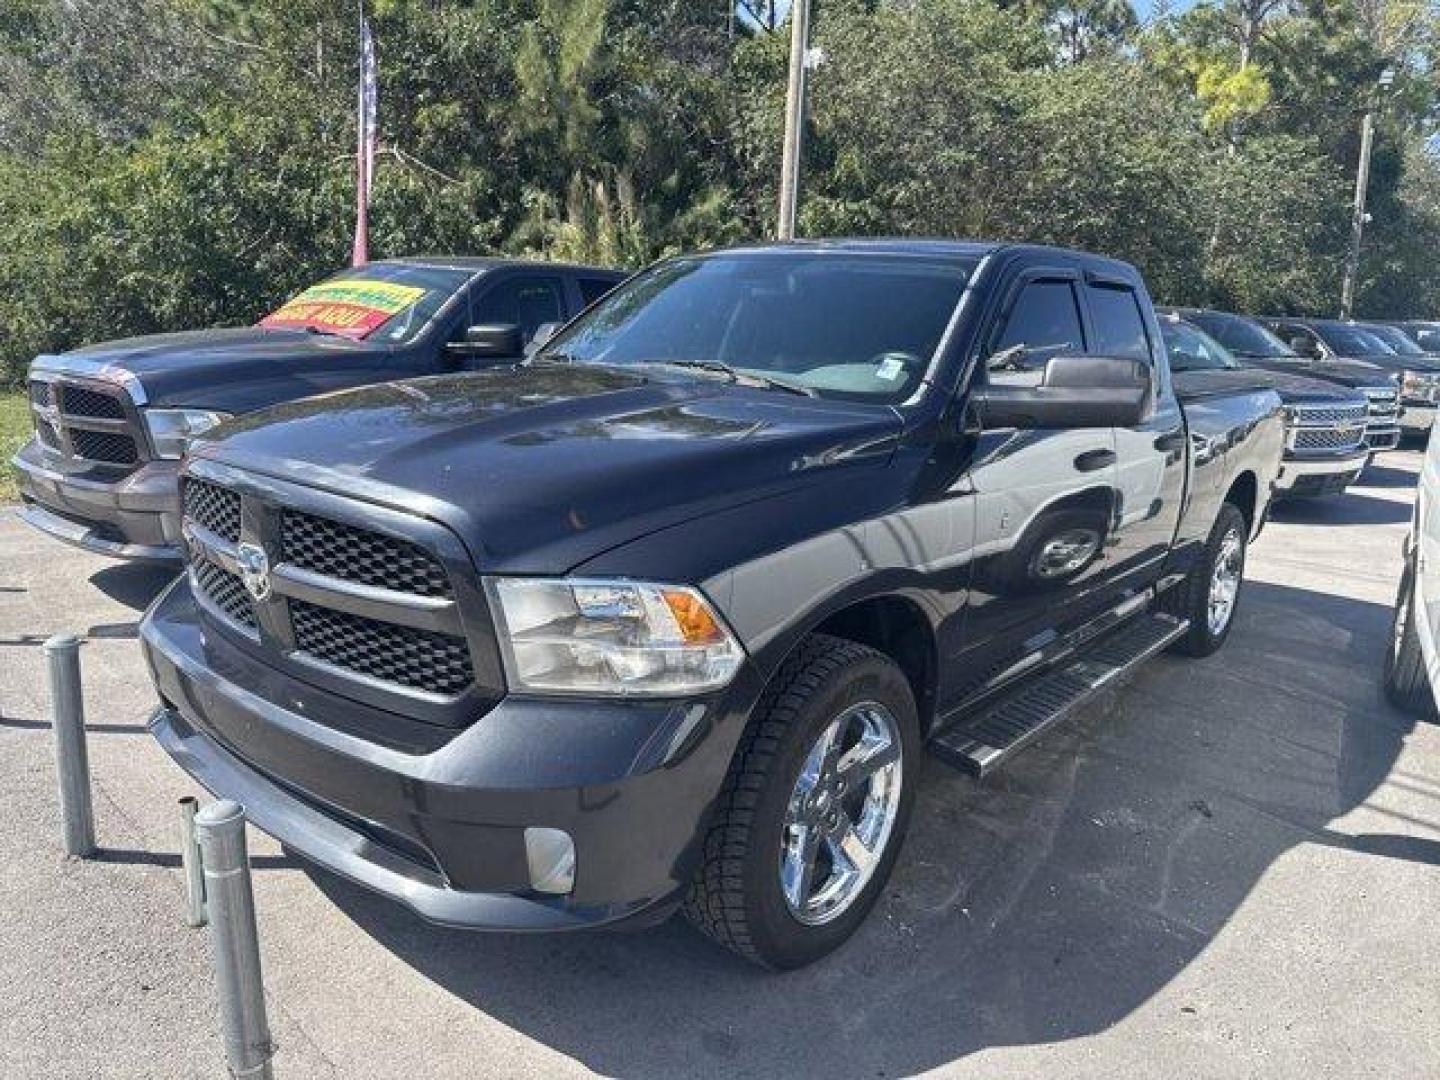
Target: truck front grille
column 108, row 447
column 92, row 422
column 226, row 592
column 351, row 554
column 437, row 663
column 213, row 507
column 322, row 612
column 1318, row 428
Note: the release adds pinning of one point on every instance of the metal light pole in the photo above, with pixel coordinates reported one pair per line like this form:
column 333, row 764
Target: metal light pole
column 1362, row 190
column 794, row 117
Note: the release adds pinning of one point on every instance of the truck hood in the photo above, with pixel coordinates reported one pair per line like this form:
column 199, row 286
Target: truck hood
column 235, row 370
column 1293, row 389
column 1344, row 372
column 538, row 469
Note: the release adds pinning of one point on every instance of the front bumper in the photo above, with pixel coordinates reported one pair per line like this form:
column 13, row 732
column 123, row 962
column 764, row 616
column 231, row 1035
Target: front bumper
column 1307, row 477
column 435, row 817
column 135, row 516
column 1418, row 417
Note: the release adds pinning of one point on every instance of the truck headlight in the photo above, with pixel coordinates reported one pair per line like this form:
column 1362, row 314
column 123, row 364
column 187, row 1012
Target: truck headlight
column 619, row 638
column 171, row 429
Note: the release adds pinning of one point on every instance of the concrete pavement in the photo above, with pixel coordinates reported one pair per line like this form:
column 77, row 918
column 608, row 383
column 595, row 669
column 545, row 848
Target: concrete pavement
column 1226, row 868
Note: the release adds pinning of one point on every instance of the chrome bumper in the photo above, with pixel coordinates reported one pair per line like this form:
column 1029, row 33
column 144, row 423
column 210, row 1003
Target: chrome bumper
column 1294, row 472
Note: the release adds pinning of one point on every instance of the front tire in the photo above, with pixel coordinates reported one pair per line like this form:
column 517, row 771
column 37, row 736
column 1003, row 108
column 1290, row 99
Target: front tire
column 1210, row 594
column 814, row 809
column 1406, row 683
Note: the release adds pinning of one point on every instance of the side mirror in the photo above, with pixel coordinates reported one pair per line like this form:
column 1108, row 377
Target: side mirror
column 1304, row 346
column 1076, row 392
column 543, row 333
column 493, row 341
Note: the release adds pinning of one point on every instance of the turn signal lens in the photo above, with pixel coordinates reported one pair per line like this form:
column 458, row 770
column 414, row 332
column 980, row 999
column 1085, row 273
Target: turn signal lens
column 692, row 615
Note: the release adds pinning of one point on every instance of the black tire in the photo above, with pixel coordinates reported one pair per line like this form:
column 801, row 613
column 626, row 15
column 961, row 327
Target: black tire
column 1406, row 684
column 1191, row 598
column 735, row 896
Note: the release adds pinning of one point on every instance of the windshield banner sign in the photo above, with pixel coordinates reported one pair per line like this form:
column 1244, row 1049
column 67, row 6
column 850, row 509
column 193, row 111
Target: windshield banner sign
column 353, row 307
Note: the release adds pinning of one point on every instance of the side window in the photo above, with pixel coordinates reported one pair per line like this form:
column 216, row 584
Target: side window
column 1043, row 322
column 524, row 301
column 1118, row 321
column 592, row 289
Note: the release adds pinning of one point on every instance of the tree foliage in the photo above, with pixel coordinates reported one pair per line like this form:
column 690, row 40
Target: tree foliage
column 172, row 163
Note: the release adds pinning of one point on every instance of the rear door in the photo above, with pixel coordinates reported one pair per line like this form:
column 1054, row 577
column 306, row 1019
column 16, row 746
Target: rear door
column 1151, row 458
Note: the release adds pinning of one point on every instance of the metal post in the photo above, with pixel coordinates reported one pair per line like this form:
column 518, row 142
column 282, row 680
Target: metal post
column 794, row 118
column 72, row 761
column 1357, row 223
column 234, row 943
column 192, row 864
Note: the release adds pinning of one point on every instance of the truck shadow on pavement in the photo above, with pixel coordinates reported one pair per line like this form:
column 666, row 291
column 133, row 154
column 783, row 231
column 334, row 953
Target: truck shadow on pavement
column 1047, row 904
column 1352, row 508
column 134, row 585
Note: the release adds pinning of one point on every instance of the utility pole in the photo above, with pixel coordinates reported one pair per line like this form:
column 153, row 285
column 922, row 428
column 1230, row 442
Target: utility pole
column 794, row 117
column 1362, row 191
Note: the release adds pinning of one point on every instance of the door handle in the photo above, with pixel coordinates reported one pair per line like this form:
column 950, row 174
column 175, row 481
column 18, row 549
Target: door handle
column 1171, row 443
column 1094, row 460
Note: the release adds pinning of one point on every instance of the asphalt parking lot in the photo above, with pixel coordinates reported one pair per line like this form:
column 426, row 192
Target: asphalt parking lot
column 1226, row 868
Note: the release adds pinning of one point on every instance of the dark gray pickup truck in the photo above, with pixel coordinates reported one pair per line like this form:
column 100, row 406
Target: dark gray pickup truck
column 667, row 616
column 112, row 420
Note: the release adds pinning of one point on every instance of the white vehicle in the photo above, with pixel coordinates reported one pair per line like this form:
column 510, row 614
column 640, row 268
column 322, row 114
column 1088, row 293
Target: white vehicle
column 1412, row 668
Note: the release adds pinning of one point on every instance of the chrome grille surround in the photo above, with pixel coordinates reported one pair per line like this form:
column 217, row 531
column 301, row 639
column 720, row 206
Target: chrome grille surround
column 88, row 421
column 1326, row 428
column 428, row 657
column 1383, row 430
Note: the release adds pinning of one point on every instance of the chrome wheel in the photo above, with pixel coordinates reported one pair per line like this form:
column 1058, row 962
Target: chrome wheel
column 841, row 813
column 1225, row 582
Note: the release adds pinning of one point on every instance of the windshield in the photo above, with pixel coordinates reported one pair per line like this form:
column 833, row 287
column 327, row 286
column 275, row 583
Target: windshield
column 1193, row 350
column 860, row 327
column 1396, row 340
column 1426, row 334
column 1352, row 340
column 1241, row 336
column 388, row 302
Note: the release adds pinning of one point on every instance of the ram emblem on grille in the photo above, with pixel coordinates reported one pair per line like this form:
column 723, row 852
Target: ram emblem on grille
column 254, row 567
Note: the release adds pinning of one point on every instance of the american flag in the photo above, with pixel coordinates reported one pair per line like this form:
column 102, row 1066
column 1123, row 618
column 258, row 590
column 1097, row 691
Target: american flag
column 365, row 149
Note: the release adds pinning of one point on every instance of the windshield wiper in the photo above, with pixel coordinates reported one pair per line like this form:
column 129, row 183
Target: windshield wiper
column 739, row 377
column 318, row 331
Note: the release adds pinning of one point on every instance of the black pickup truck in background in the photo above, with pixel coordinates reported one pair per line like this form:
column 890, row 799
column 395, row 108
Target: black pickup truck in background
column 666, row 616
column 1256, row 346
column 1337, row 341
column 111, row 420
column 1325, row 423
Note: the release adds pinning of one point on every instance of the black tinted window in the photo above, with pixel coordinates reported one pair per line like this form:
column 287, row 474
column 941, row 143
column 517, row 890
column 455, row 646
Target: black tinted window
column 592, row 289
column 525, row 302
column 1043, row 322
column 1240, row 336
column 1119, row 324
column 1192, row 350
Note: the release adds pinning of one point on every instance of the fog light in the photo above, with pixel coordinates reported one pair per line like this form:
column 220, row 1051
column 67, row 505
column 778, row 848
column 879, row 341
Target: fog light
column 550, row 854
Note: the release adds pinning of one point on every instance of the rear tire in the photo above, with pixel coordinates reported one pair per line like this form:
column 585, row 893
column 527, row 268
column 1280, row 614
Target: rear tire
column 1199, row 597
column 745, row 894
column 1406, row 683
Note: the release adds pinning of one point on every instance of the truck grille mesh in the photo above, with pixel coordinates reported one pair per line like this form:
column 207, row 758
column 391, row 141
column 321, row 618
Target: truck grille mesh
column 214, row 508
column 1327, row 439
column 414, row 658
column 90, row 404
column 42, row 394
column 226, row 592
column 359, row 555
column 105, row 446
column 1331, row 414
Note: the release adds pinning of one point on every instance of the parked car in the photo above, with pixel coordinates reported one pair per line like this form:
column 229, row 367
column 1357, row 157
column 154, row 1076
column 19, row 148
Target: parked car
column 1325, row 449
column 1412, row 666
column 1336, row 340
column 1255, row 346
column 1419, row 380
column 112, row 420
column 1424, row 333
column 665, row 617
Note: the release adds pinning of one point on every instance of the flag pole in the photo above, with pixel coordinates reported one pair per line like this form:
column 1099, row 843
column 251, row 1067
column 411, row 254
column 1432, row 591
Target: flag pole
column 364, row 138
